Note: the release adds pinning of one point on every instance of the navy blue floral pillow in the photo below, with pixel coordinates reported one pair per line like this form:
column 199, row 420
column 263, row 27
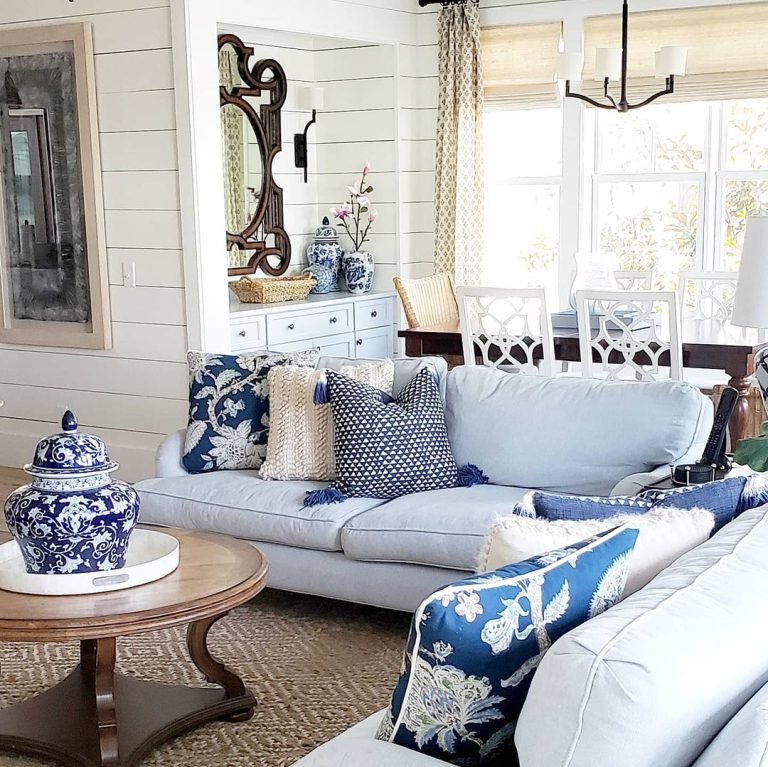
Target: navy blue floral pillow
column 229, row 408
column 474, row 646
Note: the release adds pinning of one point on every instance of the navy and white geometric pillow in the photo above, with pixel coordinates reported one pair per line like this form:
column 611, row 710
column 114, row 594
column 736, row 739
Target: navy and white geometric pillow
column 229, row 408
column 473, row 647
column 389, row 447
column 575, row 508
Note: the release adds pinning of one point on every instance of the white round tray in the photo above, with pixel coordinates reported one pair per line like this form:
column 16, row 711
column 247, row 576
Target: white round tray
column 151, row 556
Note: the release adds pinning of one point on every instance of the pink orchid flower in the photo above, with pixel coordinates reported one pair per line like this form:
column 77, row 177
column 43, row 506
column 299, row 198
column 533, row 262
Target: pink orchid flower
column 366, row 169
column 373, row 215
column 343, row 212
column 363, row 201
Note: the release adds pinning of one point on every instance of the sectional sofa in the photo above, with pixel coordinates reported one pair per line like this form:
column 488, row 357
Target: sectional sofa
column 562, row 434
column 674, row 676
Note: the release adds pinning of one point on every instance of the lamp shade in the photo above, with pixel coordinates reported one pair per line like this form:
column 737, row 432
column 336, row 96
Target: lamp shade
column 750, row 305
column 570, row 66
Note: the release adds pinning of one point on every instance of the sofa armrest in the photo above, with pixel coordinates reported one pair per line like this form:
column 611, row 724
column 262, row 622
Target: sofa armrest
column 636, row 483
column 168, row 456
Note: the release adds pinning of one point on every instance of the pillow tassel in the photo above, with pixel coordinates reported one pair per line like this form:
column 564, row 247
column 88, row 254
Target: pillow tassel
column 320, row 396
column 324, row 497
column 471, row 475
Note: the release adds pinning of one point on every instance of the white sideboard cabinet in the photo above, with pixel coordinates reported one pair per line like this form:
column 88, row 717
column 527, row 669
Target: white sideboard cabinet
column 339, row 324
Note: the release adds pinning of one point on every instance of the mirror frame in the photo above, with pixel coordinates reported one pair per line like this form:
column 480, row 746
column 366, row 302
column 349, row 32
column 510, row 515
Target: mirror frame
column 266, row 126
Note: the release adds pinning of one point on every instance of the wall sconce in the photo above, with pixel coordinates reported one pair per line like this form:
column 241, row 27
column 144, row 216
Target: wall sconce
column 308, row 98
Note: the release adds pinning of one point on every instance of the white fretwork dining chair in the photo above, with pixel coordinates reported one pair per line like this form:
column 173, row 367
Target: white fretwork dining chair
column 707, row 297
column 628, row 324
column 510, row 327
column 633, row 280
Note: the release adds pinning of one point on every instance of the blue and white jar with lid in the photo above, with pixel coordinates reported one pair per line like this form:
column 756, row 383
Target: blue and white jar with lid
column 326, row 251
column 72, row 517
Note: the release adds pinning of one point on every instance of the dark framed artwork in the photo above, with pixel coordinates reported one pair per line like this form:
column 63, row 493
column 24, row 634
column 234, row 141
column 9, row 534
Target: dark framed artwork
column 53, row 276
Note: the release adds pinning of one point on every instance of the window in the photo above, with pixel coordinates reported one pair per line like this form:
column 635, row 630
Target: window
column 523, row 170
column 667, row 187
column 673, row 184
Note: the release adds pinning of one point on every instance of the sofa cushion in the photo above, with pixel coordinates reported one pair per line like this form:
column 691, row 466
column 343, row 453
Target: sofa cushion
column 744, row 740
column 653, row 680
column 572, row 435
column 238, row 503
column 357, row 747
column 474, row 646
column 445, row 528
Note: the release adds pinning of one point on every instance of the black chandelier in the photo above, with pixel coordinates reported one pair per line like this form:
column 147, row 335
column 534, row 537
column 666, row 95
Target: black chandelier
column 611, row 65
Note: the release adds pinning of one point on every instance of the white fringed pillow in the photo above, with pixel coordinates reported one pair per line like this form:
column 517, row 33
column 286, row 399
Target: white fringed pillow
column 300, row 444
column 665, row 535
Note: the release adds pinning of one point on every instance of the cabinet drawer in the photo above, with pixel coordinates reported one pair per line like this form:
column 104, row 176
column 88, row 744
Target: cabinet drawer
column 374, row 344
column 373, row 314
column 248, row 334
column 342, row 345
column 292, row 326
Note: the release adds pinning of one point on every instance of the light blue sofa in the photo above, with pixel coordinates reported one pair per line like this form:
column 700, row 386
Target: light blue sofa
column 561, row 434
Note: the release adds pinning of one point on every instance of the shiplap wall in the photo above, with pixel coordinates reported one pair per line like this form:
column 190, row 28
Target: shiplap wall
column 134, row 393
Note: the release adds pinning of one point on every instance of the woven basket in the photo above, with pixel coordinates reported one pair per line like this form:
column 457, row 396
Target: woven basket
column 272, row 290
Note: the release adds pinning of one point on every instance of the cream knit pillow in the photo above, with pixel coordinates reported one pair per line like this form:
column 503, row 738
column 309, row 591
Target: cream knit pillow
column 300, row 443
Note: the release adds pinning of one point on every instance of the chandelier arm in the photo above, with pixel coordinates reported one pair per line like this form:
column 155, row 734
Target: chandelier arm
column 570, row 94
column 669, row 90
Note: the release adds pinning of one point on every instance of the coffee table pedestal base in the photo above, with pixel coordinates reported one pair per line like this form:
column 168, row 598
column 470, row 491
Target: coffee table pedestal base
column 97, row 717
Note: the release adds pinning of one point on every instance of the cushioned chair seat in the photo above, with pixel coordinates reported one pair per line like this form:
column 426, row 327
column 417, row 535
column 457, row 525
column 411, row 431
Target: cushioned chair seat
column 444, row 528
column 744, row 740
column 238, row 503
column 358, row 747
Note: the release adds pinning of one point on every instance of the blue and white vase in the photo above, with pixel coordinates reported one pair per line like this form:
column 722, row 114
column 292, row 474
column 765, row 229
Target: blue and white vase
column 358, row 271
column 72, row 518
column 325, row 280
column 326, row 251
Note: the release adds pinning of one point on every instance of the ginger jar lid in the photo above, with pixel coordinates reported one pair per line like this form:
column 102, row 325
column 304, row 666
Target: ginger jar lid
column 70, row 453
column 326, row 232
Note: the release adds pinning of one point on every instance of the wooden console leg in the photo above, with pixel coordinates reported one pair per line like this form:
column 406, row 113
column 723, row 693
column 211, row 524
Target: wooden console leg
column 213, row 669
column 97, row 661
column 740, row 418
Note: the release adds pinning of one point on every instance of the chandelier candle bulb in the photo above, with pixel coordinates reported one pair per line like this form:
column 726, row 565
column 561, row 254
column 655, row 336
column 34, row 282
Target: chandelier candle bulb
column 671, row 60
column 608, row 64
column 570, row 66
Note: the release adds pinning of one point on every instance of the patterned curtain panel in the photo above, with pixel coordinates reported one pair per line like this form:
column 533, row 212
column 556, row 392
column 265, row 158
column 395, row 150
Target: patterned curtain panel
column 459, row 170
column 232, row 126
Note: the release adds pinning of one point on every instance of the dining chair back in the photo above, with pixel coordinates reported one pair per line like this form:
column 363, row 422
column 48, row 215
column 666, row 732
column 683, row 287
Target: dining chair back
column 512, row 329
column 428, row 300
column 707, row 295
column 634, row 280
column 628, row 332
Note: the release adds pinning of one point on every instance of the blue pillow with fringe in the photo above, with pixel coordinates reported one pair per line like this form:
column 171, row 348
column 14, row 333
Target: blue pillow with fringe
column 725, row 498
column 387, row 447
column 474, row 647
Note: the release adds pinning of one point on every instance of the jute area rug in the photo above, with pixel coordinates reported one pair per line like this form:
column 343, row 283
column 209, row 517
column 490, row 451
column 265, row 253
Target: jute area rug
column 316, row 667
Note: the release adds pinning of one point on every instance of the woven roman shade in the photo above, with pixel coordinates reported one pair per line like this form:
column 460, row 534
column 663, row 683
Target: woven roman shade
column 519, row 64
column 727, row 51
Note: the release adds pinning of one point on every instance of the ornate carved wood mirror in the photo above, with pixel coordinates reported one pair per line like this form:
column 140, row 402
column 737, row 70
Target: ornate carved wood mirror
column 251, row 95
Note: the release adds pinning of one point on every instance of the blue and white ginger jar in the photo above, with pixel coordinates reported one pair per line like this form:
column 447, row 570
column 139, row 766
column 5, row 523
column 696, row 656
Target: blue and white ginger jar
column 72, row 518
column 326, row 251
column 325, row 280
column 358, row 271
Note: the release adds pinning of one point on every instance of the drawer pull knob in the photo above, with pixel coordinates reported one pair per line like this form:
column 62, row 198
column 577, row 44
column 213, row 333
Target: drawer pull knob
column 374, row 314
column 359, row 341
column 291, row 326
column 242, row 334
column 334, row 320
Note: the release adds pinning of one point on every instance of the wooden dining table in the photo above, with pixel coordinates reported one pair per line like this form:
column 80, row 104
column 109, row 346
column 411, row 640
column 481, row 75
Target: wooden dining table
column 706, row 344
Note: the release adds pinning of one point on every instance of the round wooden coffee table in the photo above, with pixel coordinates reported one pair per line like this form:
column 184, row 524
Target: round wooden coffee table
column 97, row 717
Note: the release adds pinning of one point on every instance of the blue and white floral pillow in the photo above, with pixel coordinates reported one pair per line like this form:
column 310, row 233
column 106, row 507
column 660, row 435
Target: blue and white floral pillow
column 474, row 646
column 229, row 408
